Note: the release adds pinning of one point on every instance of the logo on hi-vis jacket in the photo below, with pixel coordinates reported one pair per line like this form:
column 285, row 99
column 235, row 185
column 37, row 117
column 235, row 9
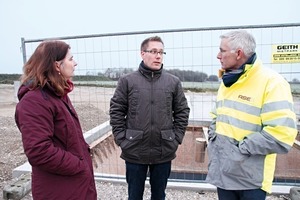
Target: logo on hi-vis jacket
column 244, row 97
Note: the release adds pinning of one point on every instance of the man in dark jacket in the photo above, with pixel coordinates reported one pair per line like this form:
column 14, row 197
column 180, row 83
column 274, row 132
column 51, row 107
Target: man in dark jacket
column 149, row 115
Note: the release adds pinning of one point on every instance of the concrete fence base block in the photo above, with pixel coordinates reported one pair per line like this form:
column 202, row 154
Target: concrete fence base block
column 19, row 188
column 295, row 193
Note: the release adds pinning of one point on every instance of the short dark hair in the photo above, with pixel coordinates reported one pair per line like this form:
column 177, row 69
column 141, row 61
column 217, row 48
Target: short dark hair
column 145, row 43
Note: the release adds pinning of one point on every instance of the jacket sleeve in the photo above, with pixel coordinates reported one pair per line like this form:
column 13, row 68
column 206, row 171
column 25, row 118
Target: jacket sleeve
column 181, row 113
column 118, row 111
column 212, row 127
column 34, row 119
column 279, row 127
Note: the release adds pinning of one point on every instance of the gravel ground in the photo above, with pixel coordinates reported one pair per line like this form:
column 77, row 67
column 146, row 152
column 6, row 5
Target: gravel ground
column 12, row 155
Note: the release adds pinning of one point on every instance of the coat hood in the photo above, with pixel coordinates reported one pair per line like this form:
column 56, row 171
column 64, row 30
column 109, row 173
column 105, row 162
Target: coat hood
column 24, row 88
column 22, row 91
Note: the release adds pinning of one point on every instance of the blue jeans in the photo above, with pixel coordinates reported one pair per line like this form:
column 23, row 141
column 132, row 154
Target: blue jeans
column 255, row 194
column 136, row 176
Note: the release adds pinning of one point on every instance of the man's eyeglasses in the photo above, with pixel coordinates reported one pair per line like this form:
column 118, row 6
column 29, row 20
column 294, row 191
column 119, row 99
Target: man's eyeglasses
column 154, row 52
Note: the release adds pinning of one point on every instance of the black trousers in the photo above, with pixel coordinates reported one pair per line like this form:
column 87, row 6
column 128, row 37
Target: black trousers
column 136, row 176
column 256, row 194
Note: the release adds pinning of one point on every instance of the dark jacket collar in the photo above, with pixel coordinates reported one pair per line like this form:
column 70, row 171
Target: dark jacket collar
column 149, row 73
column 231, row 76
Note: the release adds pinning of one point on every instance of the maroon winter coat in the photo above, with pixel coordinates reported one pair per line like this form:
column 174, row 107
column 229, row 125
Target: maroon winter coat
column 54, row 145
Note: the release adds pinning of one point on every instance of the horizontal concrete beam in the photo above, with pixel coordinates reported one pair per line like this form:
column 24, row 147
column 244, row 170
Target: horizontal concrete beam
column 97, row 132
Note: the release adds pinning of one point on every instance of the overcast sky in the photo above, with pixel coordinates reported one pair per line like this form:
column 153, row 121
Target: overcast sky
column 34, row 19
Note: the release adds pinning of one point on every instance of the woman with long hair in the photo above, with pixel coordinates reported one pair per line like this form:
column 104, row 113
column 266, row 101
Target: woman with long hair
column 51, row 132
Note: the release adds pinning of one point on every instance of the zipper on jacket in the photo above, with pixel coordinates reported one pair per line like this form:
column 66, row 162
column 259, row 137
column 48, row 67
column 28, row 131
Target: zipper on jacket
column 151, row 102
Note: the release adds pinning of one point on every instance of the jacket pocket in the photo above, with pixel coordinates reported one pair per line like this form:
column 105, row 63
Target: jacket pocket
column 169, row 144
column 130, row 146
column 237, row 164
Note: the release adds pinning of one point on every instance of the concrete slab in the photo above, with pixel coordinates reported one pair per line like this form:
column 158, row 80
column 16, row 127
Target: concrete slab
column 19, row 188
column 295, row 193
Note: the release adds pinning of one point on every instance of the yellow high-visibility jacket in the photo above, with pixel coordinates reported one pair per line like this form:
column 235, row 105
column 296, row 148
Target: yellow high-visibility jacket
column 252, row 122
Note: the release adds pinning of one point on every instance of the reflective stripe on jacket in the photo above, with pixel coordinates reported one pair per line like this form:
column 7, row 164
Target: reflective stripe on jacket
column 253, row 121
